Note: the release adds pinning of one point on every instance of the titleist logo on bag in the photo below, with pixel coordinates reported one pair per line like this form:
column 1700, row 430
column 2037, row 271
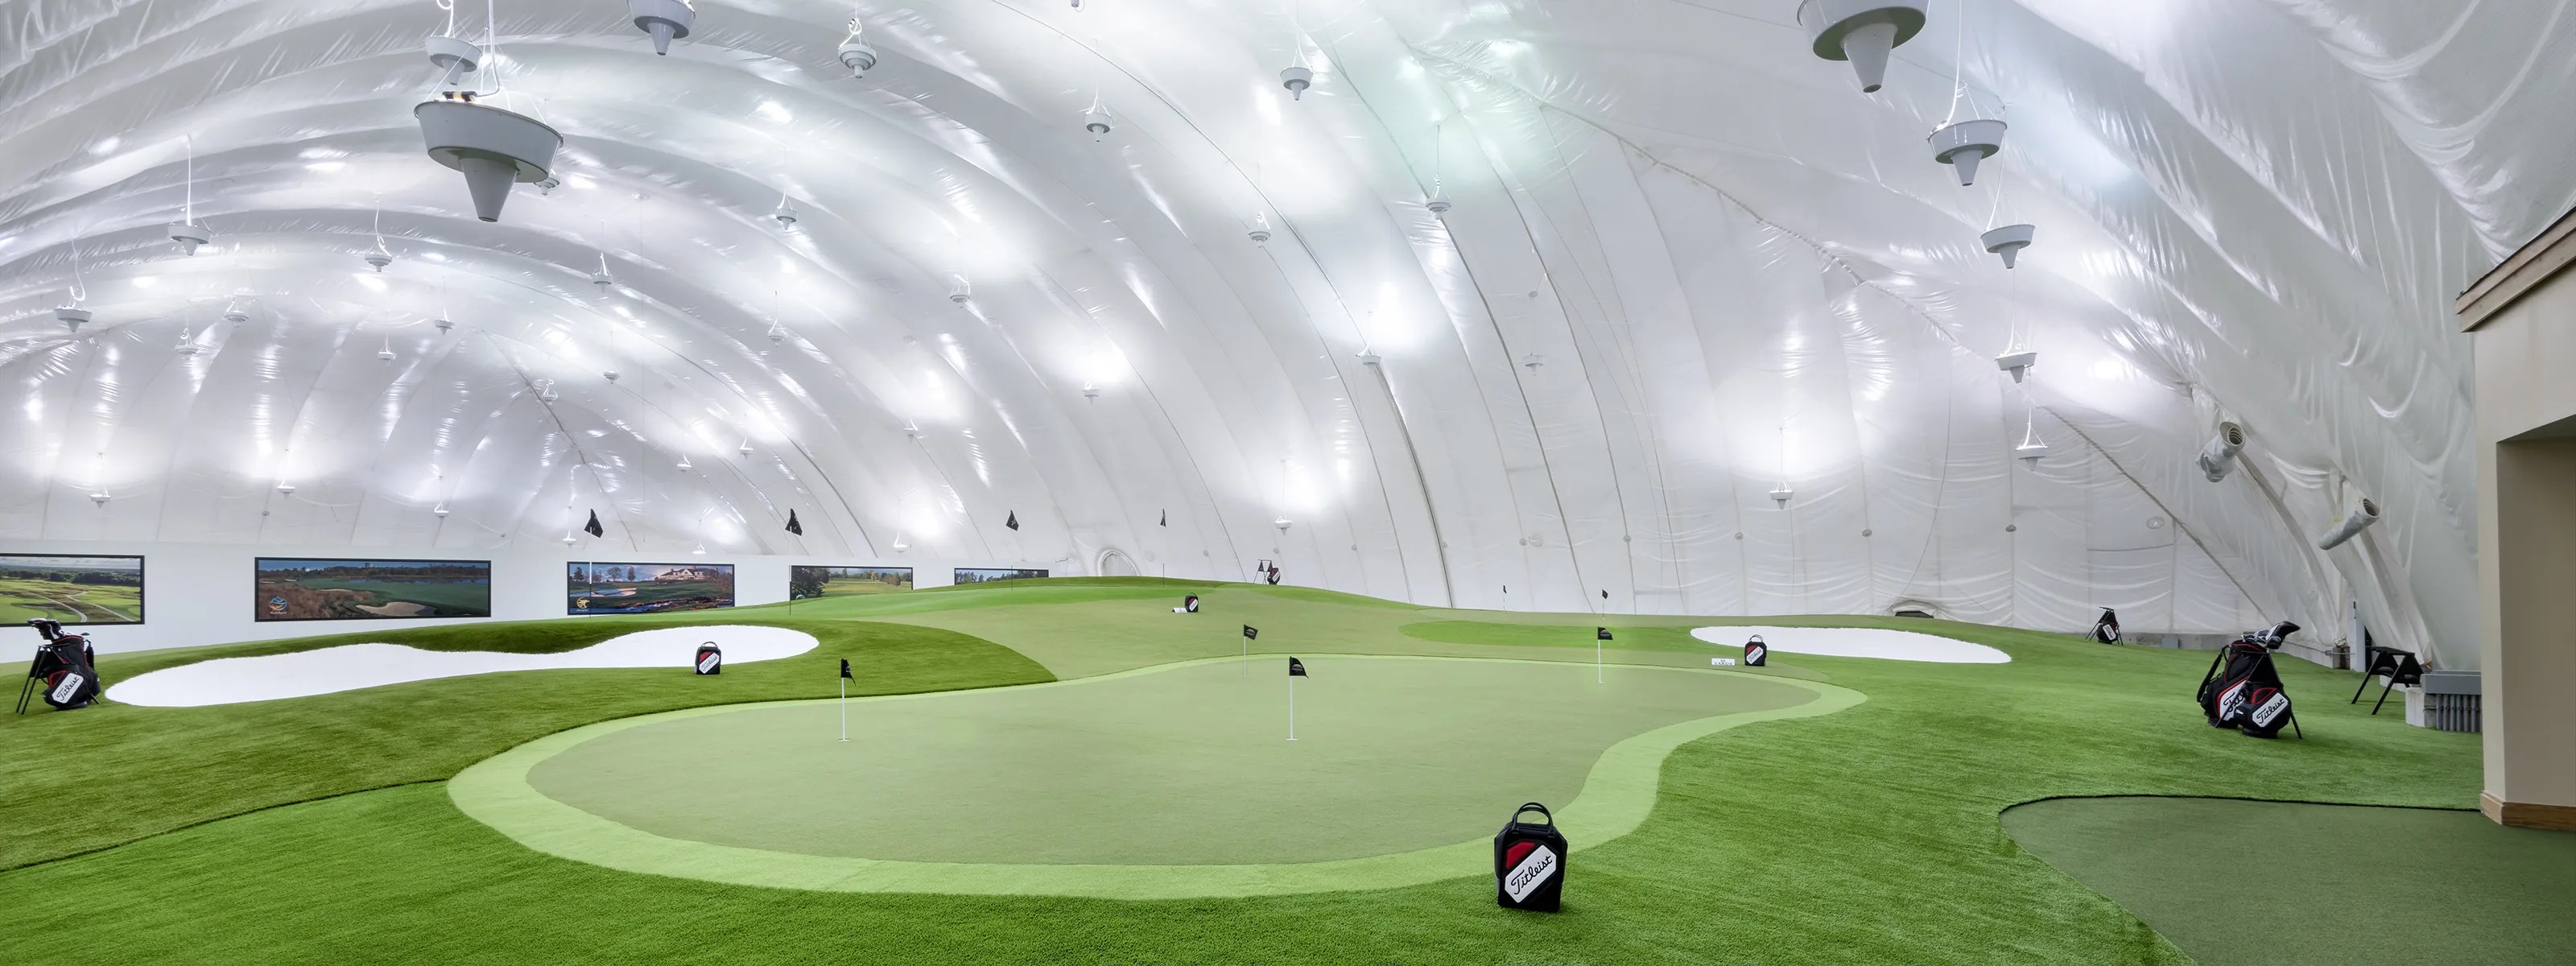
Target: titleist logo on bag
column 1532, row 867
column 71, row 685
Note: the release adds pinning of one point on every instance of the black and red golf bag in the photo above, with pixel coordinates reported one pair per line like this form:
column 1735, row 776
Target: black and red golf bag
column 2107, row 629
column 65, row 670
column 2242, row 689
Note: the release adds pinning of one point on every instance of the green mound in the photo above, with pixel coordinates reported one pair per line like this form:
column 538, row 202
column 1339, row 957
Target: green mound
column 2283, row 883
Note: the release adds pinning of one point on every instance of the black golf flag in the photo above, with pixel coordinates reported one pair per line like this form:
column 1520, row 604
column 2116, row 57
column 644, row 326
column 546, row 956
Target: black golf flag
column 1166, row 520
column 793, row 526
column 845, row 668
column 593, row 528
column 1605, row 595
column 1600, row 633
column 1295, row 669
column 1250, row 632
column 1014, row 521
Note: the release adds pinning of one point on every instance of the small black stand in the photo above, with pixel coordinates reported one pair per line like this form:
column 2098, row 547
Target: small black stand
column 2382, row 660
column 2407, row 672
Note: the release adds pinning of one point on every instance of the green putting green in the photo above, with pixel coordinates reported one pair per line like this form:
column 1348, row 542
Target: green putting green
column 1186, row 765
column 2283, row 883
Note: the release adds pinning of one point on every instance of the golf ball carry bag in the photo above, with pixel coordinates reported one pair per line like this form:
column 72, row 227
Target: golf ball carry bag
column 1529, row 862
column 1756, row 653
column 710, row 658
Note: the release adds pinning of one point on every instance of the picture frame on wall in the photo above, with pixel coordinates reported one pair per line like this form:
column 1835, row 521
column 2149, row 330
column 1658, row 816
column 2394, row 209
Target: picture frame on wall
column 981, row 575
column 336, row 589
column 73, row 588
column 646, row 588
column 813, row 581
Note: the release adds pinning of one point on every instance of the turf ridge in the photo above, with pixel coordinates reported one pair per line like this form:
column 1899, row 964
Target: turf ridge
column 1869, row 835
column 1618, row 792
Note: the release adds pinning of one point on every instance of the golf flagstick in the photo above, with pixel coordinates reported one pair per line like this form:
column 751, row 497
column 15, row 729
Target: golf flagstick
column 845, row 698
column 1599, row 634
column 1295, row 670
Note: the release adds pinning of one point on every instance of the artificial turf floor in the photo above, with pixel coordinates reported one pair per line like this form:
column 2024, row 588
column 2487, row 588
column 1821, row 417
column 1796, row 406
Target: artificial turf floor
column 2331, row 884
column 1182, row 765
column 1866, row 835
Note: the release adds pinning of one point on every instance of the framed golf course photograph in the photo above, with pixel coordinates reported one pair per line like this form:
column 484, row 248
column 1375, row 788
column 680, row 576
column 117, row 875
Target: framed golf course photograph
column 805, row 582
column 978, row 575
column 73, row 588
column 646, row 588
column 298, row 589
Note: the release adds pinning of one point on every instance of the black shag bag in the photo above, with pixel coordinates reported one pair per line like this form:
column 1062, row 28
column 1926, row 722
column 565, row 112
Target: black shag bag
column 1529, row 862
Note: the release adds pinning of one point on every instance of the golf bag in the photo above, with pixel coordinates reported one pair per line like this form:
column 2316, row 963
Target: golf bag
column 65, row 670
column 2242, row 688
column 2107, row 630
column 1529, row 862
column 1756, row 653
column 1190, row 604
column 710, row 658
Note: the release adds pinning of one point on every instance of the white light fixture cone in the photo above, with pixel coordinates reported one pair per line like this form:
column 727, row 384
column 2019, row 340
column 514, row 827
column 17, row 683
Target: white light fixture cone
column 1097, row 122
column 1296, row 80
column 453, row 56
column 858, row 57
column 2030, row 451
column 1861, row 31
column 1867, row 46
column 2007, row 241
column 1965, row 143
column 1781, row 496
column 189, row 237
column 494, row 148
column 664, row 19
column 70, row 317
column 2017, row 363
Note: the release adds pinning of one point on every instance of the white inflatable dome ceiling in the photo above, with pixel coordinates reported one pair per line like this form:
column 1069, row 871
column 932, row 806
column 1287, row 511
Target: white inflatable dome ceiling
column 1685, row 263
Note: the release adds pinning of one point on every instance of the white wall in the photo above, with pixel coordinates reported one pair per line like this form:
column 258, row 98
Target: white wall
column 200, row 593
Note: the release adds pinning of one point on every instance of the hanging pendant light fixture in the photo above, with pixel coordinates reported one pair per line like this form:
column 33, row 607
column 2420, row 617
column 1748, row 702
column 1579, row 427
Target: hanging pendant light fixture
column 493, row 148
column 665, row 20
column 1439, row 200
column 2007, row 241
column 1862, row 32
column 1959, row 143
column 2032, row 447
column 379, row 256
column 1297, row 78
column 187, row 232
column 856, row 54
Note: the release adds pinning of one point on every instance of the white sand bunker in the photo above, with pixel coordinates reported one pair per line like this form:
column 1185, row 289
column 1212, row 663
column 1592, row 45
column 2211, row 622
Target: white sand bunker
column 1858, row 642
column 232, row 680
